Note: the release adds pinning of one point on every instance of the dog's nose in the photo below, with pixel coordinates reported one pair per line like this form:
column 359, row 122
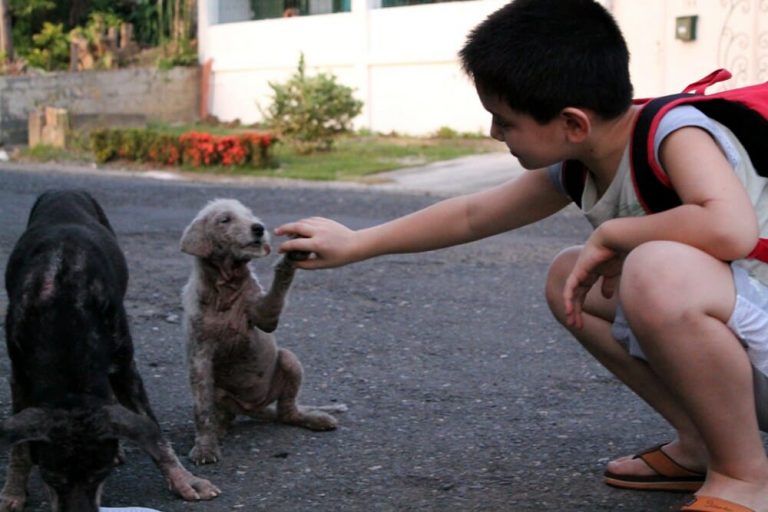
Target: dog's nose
column 257, row 230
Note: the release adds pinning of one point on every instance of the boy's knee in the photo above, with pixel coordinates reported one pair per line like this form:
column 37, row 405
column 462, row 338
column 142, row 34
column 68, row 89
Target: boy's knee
column 558, row 272
column 649, row 273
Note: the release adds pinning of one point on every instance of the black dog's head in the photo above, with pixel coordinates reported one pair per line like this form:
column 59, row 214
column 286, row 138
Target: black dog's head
column 77, row 449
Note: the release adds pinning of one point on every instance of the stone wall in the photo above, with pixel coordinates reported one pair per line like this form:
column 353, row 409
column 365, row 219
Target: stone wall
column 125, row 97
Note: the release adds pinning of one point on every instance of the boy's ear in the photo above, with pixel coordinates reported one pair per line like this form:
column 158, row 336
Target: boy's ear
column 577, row 124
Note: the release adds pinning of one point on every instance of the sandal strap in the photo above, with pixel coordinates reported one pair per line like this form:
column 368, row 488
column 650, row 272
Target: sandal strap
column 663, row 464
column 713, row 504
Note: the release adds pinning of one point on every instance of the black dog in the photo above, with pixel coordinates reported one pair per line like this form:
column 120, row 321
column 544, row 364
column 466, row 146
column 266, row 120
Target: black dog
column 71, row 356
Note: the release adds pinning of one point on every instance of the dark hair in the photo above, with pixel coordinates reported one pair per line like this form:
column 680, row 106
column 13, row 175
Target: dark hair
column 541, row 56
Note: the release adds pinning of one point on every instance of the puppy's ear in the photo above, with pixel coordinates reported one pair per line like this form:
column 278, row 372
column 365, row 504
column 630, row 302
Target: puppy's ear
column 194, row 240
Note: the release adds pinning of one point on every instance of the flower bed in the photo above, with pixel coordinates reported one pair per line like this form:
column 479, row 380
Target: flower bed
column 195, row 149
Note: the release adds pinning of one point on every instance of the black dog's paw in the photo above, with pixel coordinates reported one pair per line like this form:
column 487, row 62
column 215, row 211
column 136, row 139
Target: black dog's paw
column 204, row 454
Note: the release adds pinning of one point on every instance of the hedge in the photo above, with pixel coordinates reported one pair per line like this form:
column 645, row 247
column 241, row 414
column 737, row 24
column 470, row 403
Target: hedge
column 196, row 149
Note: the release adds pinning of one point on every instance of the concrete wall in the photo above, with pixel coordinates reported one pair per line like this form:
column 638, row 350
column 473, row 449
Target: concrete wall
column 402, row 61
column 120, row 97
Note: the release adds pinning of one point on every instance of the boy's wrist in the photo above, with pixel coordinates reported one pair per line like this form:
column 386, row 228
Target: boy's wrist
column 602, row 236
column 360, row 246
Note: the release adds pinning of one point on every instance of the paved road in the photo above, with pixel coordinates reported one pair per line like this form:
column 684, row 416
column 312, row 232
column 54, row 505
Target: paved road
column 463, row 393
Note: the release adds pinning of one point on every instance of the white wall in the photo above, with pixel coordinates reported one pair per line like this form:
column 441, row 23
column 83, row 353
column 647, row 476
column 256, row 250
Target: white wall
column 731, row 34
column 402, row 62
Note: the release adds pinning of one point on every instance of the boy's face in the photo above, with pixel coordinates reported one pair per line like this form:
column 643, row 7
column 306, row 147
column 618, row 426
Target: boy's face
column 535, row 145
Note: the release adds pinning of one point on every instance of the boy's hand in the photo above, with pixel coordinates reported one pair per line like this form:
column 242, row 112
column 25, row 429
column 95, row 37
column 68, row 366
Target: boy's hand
column 595, row 261
column 327, row 243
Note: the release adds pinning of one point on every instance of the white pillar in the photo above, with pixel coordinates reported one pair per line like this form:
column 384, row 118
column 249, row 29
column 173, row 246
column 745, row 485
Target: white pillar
column 361, row 10
column 207, row 15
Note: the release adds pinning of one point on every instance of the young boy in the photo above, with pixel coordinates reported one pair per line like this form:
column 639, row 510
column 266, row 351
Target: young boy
column 686, row 330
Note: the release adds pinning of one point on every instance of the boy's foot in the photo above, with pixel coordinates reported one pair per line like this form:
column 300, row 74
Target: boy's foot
column 653, row 470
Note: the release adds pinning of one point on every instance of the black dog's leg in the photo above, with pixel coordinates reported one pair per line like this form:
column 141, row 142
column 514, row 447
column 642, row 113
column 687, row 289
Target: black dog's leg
column 14, row 493
column 128, row 388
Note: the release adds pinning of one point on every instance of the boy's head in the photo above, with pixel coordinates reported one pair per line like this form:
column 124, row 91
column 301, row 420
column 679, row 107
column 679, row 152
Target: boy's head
column 541, row 56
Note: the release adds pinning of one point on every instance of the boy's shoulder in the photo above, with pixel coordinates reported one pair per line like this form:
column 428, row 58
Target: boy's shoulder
column 744, row 111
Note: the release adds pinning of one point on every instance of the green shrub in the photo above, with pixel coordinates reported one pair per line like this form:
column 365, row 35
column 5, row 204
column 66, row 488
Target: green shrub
column 133, row 144
column 446, row 132
column 309, row 112
column 50, row 48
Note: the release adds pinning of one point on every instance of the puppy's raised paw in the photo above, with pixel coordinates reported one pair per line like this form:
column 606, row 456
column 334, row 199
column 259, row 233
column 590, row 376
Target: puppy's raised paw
column 297, row 255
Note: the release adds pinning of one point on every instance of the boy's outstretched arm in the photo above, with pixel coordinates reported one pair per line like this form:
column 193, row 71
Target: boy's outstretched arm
column 453, row 221
column 716, row 217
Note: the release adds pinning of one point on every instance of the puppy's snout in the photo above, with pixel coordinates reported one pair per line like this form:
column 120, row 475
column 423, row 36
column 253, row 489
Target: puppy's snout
column 257, row 230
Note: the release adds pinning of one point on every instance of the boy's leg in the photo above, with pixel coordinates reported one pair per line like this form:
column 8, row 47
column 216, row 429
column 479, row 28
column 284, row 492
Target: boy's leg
column 678, row 301
column 688, row 449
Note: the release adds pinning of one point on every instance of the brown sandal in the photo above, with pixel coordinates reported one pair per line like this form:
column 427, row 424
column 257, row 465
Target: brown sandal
column 712, row 504
column 670, row 476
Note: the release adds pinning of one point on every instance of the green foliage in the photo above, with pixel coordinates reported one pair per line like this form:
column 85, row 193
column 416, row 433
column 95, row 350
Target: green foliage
column 146, row 17
column 446, row 132
column 50, row 48
column 133, row 144
column 153, row 22
column 184, row 55
column 309, row 112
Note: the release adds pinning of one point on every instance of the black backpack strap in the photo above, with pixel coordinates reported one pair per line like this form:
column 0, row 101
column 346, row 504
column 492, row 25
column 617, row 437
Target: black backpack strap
column 573, row 175
column 652, row 185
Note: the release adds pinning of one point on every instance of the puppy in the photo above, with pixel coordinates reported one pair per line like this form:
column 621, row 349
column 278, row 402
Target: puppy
column 71, row 356
column 234, row 363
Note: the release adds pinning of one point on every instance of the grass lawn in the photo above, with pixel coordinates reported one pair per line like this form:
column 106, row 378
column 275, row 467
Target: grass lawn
column 356, row 158
column 353, row 157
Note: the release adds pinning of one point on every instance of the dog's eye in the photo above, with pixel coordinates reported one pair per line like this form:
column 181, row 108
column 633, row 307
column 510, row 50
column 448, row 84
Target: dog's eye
column 225, row 219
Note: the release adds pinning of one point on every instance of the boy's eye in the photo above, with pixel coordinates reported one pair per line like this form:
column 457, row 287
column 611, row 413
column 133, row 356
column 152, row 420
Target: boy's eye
column 500, row 122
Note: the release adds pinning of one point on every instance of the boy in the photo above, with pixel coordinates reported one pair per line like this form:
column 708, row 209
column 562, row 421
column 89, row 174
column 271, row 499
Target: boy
column 686, row 329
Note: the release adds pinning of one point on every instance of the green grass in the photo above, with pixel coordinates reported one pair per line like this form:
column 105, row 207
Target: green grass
column 46, row 153
column 360, row 157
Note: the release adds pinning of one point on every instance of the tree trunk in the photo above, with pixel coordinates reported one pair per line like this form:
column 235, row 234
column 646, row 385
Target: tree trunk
column 6, row 39
column 77, row 9
column 177, row 24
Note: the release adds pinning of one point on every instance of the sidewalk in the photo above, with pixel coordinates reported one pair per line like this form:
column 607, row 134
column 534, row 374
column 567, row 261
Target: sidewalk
column 453, row 177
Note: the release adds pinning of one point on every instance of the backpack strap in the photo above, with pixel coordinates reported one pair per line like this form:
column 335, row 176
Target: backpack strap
column 651, row 183
column 652, row 186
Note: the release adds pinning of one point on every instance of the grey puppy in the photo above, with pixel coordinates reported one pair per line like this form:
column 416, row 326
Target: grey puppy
column 235, row 365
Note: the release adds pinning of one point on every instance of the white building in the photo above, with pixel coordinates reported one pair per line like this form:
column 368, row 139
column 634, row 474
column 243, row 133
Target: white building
column 401, row 59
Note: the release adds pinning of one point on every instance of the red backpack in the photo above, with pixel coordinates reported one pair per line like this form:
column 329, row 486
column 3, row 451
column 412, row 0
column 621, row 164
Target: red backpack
column 743, row 110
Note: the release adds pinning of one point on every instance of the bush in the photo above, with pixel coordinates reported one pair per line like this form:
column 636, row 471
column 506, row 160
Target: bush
column 191, row 148
column 309, row 112
column 50, row 48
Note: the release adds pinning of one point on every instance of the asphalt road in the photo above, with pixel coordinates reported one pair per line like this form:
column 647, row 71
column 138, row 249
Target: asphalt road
column 463, row 393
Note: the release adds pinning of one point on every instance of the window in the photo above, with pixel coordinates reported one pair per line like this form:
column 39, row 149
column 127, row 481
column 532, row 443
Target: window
column 398, row 3
column 263, row 9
